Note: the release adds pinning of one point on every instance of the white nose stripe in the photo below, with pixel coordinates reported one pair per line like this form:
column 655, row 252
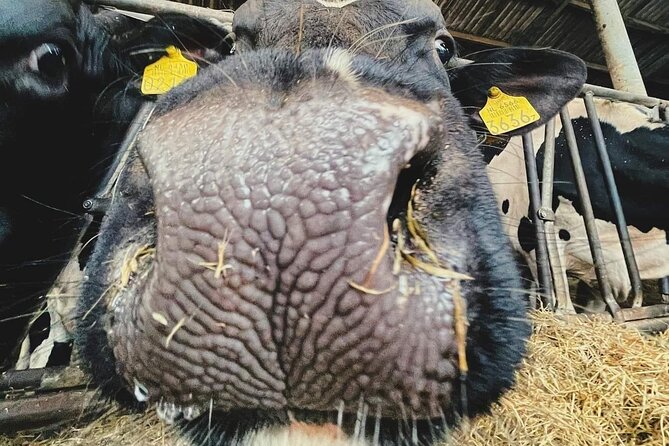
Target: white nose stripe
column 335, row 3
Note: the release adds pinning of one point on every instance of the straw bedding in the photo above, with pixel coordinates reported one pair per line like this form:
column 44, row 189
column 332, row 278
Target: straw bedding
column 583, row 383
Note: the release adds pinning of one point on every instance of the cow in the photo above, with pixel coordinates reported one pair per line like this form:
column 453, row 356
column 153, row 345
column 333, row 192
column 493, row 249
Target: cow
column 637, row 147
column 69, row 86
column 305, row 237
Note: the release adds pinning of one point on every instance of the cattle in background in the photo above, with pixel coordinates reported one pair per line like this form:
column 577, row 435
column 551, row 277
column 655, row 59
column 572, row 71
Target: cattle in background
column 68, row 89
column 639, row 151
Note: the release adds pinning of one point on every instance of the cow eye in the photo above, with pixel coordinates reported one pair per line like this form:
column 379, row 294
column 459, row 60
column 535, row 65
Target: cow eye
column 48, row 60
column 445, row 49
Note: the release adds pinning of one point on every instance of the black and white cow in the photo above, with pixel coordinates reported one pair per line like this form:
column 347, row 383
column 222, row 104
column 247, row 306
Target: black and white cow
column 639, row 151
column 68, row 89
column 298, row 216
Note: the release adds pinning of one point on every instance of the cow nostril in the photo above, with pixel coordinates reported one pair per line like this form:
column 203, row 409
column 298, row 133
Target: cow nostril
column 416, row 170
column 48, row 60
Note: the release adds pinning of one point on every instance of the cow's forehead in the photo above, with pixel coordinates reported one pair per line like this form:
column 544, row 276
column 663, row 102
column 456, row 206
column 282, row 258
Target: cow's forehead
column 21, row 19
column 408, row 7
column 271, row 21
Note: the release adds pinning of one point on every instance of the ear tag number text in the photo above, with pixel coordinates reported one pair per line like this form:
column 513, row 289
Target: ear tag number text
column 167, row 72
column 503, row 113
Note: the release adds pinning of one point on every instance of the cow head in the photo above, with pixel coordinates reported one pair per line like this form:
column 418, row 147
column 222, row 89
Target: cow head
column 413, row 34
column 64, row 69
column 306, row 230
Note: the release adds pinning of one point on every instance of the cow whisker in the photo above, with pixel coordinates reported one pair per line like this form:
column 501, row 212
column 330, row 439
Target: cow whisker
column 357, row 44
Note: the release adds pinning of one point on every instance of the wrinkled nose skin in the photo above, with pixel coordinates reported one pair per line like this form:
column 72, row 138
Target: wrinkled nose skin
column 269, row 189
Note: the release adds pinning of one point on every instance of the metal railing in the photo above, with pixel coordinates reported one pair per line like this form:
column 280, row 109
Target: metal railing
column 550, row 275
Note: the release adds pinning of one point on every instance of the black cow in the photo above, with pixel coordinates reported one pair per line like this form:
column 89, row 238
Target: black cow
column 301, row 219
column 68, row 89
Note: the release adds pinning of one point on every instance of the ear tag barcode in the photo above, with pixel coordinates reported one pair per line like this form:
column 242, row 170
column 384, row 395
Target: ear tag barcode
column 503, row 113
column 167, row 72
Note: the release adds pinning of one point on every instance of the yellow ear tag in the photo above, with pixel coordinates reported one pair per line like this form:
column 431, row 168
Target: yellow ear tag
column 167, row 72
column 503, row 113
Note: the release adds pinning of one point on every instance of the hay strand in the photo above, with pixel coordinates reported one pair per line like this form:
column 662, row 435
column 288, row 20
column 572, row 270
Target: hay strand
column 371, row 291
column 131, row 263
column 219, row 267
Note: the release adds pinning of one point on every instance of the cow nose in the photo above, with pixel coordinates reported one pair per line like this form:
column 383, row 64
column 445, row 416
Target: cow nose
column 271, row 286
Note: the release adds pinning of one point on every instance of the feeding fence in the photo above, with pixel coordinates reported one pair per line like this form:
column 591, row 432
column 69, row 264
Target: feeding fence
column 550, row 271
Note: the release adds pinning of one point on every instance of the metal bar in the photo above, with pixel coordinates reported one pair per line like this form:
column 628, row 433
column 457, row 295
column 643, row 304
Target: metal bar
column 549, row 164
column 631, row 22
column 47, row 378
column 47, row 410
column 543, row 268
column 154, row 7
column 589, row 216
column 649, row 325
column 561, row 288
column 614, row 197
column 103, row 196
column 620, row 59
column 663, row 284
column 652, row 311
column 645, row 325
column 23, row 379
column 100, row 201
column 585, row 317
column 664, row 289
column 138, row 123
column 624, row 96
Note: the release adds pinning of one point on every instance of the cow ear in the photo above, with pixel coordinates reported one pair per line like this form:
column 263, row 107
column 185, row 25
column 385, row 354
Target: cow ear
column 547, row 78
column 246, row 25
column 205, row 40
